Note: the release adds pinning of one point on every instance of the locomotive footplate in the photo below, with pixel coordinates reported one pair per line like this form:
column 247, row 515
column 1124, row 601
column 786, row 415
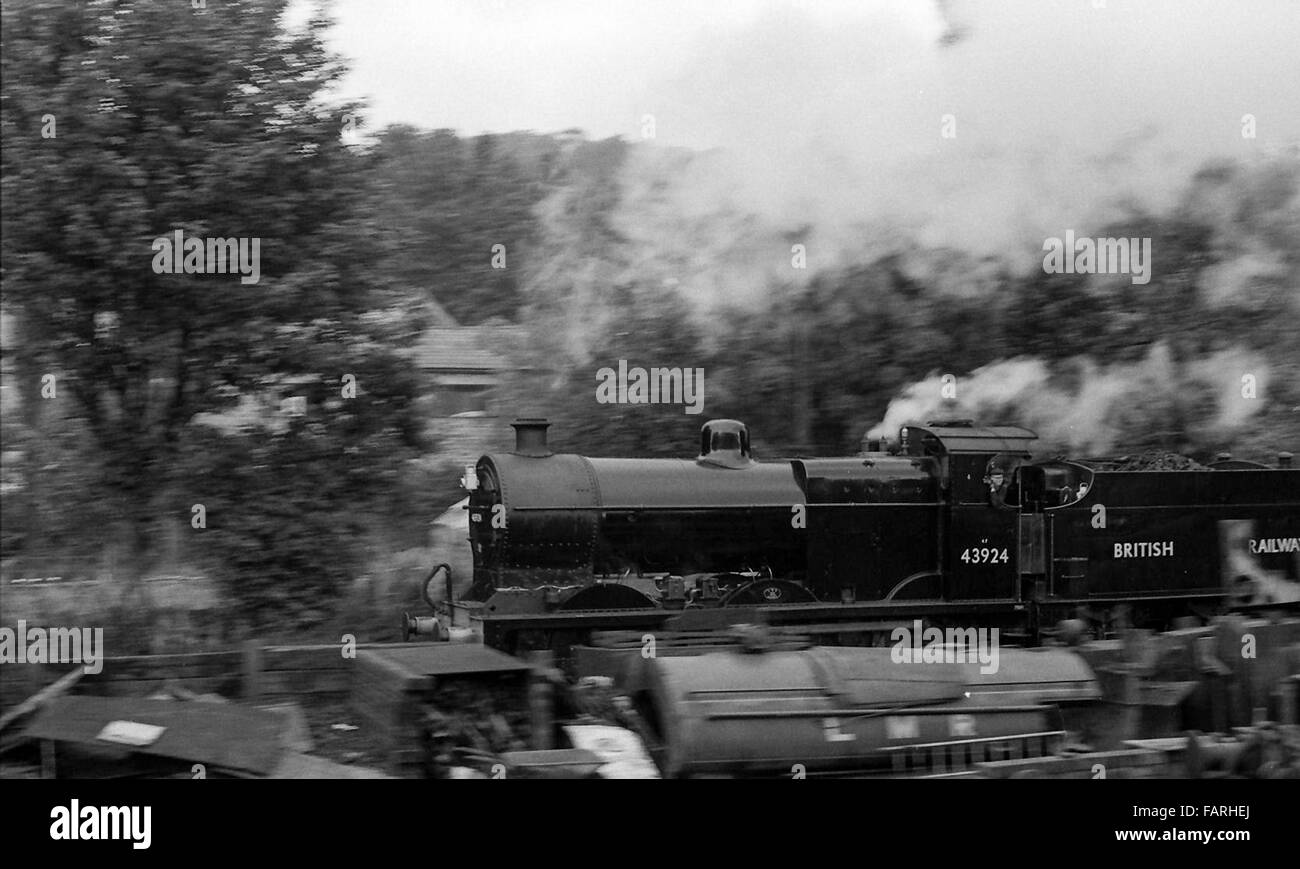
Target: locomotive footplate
column 502, row 631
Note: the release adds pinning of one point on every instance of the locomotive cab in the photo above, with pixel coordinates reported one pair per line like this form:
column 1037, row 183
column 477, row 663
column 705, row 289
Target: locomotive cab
column 984, row 483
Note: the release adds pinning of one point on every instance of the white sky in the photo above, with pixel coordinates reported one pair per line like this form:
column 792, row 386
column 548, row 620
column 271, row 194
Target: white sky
column 712, row 70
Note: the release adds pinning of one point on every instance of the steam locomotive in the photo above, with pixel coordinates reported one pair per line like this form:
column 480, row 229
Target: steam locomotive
column 954, row 524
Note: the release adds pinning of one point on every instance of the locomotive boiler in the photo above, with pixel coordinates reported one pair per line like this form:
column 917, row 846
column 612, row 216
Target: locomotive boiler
column 955, row 523
column 541, row 520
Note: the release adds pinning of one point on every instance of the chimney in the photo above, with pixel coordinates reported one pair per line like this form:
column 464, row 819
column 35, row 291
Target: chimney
column 530, row 437
column 1284, row 459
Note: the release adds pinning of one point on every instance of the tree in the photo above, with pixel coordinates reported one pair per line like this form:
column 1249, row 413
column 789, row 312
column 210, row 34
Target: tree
column 126, row 122
column 458, row 215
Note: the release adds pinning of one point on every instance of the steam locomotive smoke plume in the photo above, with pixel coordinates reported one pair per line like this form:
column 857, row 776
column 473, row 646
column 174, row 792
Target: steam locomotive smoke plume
column 1089, row 409
column 938, row 130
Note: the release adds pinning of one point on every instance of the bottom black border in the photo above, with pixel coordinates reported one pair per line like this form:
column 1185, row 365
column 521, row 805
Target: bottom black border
column 406, row 819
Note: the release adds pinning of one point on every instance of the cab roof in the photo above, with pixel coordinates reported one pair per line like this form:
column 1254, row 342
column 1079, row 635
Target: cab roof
column 963, row 436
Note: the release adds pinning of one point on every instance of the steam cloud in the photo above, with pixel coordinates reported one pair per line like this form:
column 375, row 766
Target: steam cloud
column 1090, row 408
column 824, row 127
column 822, row 124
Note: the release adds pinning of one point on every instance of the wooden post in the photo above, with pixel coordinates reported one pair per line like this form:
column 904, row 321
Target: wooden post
column 1132, row 700
column 252, row 669
column 540, row 699
column 48, row 766
column 1286, row 691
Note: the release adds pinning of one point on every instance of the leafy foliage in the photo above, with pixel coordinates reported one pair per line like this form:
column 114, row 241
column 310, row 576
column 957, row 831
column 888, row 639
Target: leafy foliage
column 209, row 122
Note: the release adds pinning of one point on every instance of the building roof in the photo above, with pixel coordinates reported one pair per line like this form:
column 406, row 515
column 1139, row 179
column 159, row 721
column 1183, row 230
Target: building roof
column 224, row 735
column 468, row 348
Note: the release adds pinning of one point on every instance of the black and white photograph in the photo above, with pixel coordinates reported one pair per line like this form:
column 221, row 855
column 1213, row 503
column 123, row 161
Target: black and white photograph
column 874, row 391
